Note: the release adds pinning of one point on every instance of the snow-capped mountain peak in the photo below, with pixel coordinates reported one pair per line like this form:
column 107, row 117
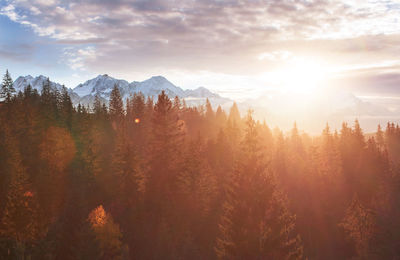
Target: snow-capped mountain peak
column 154, row 85
column 102, row 85
column 201, row 92
column 36, row 83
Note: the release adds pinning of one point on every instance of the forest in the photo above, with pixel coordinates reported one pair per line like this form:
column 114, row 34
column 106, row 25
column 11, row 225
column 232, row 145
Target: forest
column 148, row 178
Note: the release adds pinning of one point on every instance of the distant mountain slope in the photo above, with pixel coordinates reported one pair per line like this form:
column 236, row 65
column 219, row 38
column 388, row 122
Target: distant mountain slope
column 37, row 83
column 154, row 85
column 102, row 85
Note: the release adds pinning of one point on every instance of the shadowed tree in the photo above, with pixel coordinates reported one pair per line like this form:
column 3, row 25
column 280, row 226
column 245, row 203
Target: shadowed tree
column 255, row 223
column 20, row 217
column 116, row 106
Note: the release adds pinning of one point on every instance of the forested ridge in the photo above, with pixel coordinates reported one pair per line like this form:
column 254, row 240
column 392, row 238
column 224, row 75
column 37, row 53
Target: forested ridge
column 155, row 179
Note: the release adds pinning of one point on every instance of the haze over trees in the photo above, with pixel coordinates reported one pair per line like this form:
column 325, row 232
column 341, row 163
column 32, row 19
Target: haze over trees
column 155, row 179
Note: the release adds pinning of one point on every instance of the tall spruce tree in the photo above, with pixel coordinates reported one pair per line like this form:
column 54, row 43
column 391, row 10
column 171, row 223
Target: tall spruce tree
column 255, row 223
column 116, row 105
column 20, row 217
column 164, row 161
column 7, row 88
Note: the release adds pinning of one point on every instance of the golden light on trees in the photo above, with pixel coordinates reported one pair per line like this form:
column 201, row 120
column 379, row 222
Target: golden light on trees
column 107, row 233
column 98, row 217
column 57, row 148
column 28, row 194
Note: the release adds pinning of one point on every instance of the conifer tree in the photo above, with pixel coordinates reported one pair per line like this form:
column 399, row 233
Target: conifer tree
column 166, row 138
column 97, row 106
column 164, row 161
column 7, row 88
column 220, row 117
column 116, row 105
column 255, row 223
column 330, row 156
column 127, row 173
column 66, row 108
column 358, row 136
column 48, row 104
column 359, row 224
column 296, row 141
column 177, row 104
column 138, row 107
column 234, row 115
column 139, row 123
column 380, row 138
column 20, row 218
column 209, row 111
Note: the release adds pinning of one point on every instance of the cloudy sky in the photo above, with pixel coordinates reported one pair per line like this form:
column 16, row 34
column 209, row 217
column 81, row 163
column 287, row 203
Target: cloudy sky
column 239, row 48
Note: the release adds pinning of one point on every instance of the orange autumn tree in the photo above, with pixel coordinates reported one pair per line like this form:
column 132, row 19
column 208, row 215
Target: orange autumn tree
column 107, row 233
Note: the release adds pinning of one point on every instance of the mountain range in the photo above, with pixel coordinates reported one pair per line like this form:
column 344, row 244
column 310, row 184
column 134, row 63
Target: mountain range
column 309, row 110
column 102, row 85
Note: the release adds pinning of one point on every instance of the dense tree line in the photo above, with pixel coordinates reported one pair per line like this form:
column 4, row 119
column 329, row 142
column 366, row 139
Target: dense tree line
column 155, row 179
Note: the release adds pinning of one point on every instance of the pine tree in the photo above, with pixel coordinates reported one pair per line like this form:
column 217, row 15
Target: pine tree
column 296, row 142
column 48, row 104
column 209, row 111
column 127, row 173
column 255, row 223
column 358, row 136
column 166, row 136
column 139, row 123
column 66, row 108
column 7, row 88
column 97, row 106
column 177, row 104
column 380, row 138
column 359, row 224
column 20, row 217
column 116, row 105
column 220, row 117
column 330, row 163
column 164, row 161
column 233, row 133
column 234, row 115
column 56, row 151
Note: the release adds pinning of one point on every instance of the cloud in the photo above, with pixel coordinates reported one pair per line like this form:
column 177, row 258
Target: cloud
column 16, row 52
column 190, row 24
column 76, row 58
column 226, row 37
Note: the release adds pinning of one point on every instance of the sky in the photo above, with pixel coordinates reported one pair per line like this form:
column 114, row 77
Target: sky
column 242, row 49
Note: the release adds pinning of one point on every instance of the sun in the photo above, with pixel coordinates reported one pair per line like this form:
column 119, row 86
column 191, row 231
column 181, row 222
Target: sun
column 300, row 75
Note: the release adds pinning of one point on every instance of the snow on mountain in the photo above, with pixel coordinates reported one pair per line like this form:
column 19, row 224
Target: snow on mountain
column 154, row 85
column 200, row 92
column 102, row 85
column 37, row 83
column 195, row 97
